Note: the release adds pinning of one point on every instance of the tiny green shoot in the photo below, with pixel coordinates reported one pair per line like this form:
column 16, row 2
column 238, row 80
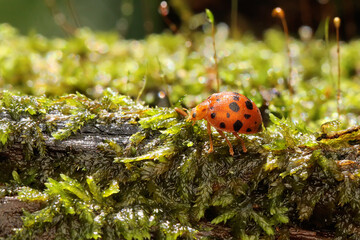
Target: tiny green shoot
column 212, row 21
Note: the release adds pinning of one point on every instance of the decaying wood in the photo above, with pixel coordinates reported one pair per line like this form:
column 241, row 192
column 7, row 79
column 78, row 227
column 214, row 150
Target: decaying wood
column 337, row 134
column 302, row 234
column 86, row 141
column 86, row 144
column 11, row 211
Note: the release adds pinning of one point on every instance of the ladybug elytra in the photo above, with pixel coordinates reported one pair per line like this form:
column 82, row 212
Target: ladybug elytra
column 227, row 112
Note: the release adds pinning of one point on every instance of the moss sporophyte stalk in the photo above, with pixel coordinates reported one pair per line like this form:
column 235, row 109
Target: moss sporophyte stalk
column 90, row 162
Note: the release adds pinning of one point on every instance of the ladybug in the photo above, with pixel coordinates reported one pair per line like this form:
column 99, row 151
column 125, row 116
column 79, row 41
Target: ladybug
column 227, row 112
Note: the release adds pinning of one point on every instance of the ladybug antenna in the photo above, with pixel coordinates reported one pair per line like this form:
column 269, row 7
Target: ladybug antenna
column 184, row 111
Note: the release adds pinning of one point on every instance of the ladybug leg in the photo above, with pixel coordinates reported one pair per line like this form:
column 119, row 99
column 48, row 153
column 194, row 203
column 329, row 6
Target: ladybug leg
column 209, row 132
column 242, row 142
column 231, row 150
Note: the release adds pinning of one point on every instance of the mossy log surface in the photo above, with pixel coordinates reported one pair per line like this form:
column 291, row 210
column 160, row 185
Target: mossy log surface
column 103, row 166
column 82, row 146
column 75, row 168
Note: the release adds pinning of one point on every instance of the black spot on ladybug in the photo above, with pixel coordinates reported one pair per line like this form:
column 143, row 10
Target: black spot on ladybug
column 218, row 99
column 249, row 105
column 228, row 115
column 247, row 116
column 234, row 106
column 255, row 122
column 211, row 108
column 213, row 115
column 236, row 98
column 237, row 125
column 248, row 130
column 222, row 125
column 236, row 93
column 194, row 115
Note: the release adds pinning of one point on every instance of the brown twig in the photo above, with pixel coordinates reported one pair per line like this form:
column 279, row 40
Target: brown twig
column 337, row 134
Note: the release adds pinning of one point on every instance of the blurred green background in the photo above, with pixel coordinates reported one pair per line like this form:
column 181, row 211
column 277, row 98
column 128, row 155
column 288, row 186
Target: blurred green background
column 133, row 19
column 137, row 18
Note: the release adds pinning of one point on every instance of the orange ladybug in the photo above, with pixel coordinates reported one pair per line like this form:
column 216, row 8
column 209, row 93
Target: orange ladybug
column 227, row 112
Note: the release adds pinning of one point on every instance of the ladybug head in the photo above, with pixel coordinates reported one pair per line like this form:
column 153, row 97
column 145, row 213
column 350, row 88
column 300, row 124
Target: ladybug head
column 197, row 113
column 192, row 115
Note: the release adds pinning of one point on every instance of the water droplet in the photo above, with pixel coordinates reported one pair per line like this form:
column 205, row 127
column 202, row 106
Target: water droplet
column 305, row 33
column 161, row 94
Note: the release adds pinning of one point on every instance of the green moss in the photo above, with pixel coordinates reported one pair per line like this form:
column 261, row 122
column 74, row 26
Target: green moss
column 161, row 181
column 93, row 213
column 166, row 186
column 91, row 62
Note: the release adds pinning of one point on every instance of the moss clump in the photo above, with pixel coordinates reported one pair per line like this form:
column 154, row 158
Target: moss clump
column 115, row 168
column 178, row 65
column 163, row 183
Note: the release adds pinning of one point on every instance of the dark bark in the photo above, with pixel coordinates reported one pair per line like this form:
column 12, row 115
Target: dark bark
column 11, row 210
column 85, row 141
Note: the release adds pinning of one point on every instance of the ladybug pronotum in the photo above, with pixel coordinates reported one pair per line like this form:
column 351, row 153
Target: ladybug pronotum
column 227, row 112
